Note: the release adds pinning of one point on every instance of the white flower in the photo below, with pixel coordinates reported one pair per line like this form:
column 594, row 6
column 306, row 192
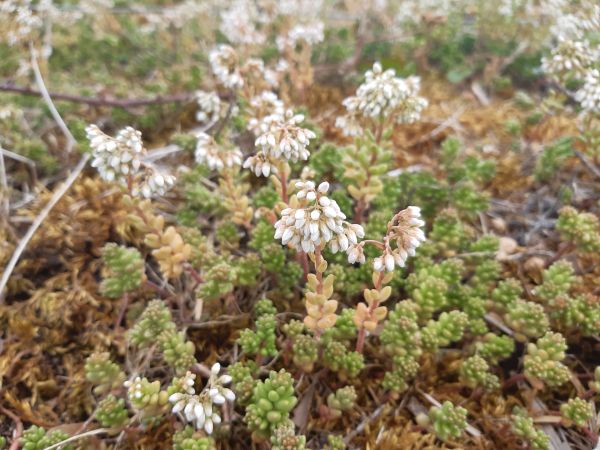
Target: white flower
column 316, row 221
column 152, row 182
column 383, row 95
column 310, row 33
column 589, row 94
column 198, row 408
column 18, row 20
column 116, row 158
column 209, row 107
column 573, row 26
column 120, row 159
column 406, row 232
column 134, row 388
column 216, row 158
column 257, row 76
column 356, row 254
column 569, row 58
column 238, row 23
column 283, row 138
column 261, row 165
column 349, row 124
column 263, row 105
column 224, row 64
column 300, row 9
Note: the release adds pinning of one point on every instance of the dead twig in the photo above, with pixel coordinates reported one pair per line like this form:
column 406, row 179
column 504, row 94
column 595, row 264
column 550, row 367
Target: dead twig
column 366, row 421
column 590, row 166
column 124, row 103
column 78, row 436
column 4, row 196
column 450, row 122
column 38, row 221
column 46, row 96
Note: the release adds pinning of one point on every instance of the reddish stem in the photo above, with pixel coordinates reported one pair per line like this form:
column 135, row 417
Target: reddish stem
column 124, row 304
column 303, row 258
column 284, row 192
column 513, row 380
column 318, row 272
column 18, row 432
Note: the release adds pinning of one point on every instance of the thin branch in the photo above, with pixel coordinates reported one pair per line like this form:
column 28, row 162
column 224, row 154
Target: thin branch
column 470, row 428
column 450, row 122
column 366, row 421
column 17, row 157
column 78, row 436
column 38, row 221
column 4, row 195
column 101, row 101
column 46, row 96
column 588, row 164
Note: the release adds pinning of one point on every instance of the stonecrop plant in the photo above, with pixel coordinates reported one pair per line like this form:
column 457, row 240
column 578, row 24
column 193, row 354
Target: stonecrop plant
column 299, row 224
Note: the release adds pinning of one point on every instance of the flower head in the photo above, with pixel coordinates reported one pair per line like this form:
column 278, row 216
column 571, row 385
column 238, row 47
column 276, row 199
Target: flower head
column 383, row 95
column 209, row 107
column 589, row 94
column 120, row 159
column 280, row 139
column 283, row 138
column 198, row 408
column 314, row 220
column 257, row 76
column 238, row 23
column 569, row 58
column 216, row 158
column 261, row 164
column 404, row 230
column 310, row 33
column 224, row 64
column 263, row 105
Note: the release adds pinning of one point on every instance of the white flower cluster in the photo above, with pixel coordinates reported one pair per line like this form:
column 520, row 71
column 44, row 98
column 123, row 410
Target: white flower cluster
column 224, row 64
column 18, row 21
column 134, row 388
column 310, row 33
column 383, row 94
column 589, row 94
column 574, row 26
column 350, row 123
column 316, row 221
column 152, row 183
column 120, row 159
column 115, row 158
column 198, row 408
column 216, row 158
column 209, row 107
column 281, row 139
column 406, row 232
column 300, row 8
column 175, row 15
column 238, row 23
column 265, row 104
column 260, row 164
column 569, row 58
column 256, row 74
